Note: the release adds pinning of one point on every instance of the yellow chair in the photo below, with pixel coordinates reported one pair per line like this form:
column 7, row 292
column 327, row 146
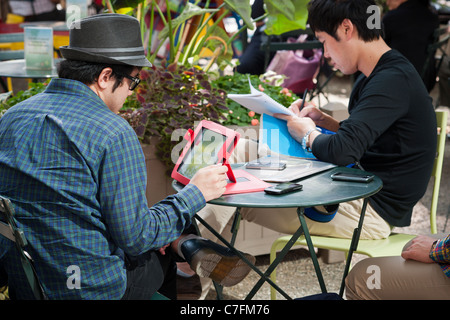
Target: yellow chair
column 391, row 246
column 14, row 18
column 59, row 40
column 12, row 48
column 11, row 41
column 14, row 39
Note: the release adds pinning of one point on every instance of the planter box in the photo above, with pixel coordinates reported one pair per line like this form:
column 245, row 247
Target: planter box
column 159, row 185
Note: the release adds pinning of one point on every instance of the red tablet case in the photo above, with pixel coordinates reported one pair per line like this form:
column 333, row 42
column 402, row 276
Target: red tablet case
column 240, row 181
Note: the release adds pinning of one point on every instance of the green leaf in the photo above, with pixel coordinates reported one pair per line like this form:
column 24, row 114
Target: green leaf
column 243, row 9
column 278, row 21
column 212, row 44
column 285, row 8
column 189, row 11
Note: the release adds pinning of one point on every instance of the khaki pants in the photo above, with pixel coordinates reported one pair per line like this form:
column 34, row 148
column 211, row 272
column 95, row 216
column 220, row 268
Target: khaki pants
column 389, row 278
column 285, row 220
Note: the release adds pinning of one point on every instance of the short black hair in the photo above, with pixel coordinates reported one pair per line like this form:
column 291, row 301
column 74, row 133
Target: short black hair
column 88, row 72
column 327, row 15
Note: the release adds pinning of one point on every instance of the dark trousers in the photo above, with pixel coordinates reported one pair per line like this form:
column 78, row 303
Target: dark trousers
column 252, row 60
column 148, row 273
column 3, row 275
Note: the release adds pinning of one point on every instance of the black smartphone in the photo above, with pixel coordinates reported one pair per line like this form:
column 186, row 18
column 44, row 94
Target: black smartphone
column 353, row 177
column 266, row 165
column 283, row 188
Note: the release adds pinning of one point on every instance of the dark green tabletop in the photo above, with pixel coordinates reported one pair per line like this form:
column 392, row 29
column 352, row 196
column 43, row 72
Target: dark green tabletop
column 318, row 190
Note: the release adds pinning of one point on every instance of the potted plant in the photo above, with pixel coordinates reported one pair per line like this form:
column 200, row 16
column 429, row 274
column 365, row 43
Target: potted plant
column 172, row 100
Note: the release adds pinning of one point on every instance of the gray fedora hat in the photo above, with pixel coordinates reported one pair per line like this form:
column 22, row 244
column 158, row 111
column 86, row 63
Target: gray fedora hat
column 106, row 38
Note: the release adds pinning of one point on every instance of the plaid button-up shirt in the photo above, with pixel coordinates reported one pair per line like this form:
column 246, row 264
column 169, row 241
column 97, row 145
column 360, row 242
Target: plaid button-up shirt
column 76, row 175
column 441, row 254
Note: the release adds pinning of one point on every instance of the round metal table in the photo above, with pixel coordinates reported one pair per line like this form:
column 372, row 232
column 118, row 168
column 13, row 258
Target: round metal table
column 318, row 189
column 17, row 69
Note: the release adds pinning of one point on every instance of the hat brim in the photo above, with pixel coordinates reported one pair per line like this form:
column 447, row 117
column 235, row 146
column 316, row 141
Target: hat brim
column 75, row 54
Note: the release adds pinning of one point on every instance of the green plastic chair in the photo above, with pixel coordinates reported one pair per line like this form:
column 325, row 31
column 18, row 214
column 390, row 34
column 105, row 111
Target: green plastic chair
column 11, row 39
column 391, row 246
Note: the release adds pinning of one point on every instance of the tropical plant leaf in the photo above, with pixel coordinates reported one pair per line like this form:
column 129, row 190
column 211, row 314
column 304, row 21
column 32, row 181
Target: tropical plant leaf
column 189, row 11
column 277, row 19
column 243, row 9
column 212, row 43
column 285, row 8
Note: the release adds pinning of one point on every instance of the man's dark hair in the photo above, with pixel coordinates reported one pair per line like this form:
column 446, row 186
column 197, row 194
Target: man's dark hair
column 88, row 72
column 327, row 15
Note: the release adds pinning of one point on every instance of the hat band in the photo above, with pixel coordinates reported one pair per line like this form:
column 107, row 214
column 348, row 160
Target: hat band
column 125, row 57
column 108, row 50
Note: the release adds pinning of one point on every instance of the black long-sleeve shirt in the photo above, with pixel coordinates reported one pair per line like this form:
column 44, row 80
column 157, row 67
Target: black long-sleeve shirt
column 391, row 131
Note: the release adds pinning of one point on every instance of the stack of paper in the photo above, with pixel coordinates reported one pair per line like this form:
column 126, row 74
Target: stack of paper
column 274, row 132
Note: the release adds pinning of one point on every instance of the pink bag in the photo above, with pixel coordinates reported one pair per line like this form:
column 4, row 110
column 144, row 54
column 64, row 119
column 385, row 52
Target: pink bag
column 299, row 66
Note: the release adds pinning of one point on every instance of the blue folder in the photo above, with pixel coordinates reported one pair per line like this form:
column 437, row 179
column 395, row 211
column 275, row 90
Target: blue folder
column 277, row 137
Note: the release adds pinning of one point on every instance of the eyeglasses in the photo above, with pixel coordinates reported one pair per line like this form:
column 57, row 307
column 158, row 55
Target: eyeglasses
column 134, row 81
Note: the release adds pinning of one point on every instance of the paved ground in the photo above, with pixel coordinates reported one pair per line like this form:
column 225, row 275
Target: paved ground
column 296, row 273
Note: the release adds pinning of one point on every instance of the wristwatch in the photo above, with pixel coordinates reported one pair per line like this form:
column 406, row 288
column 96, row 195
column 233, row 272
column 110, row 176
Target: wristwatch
column 305, row 139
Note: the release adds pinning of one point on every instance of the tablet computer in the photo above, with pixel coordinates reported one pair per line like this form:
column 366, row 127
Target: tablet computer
column 211, row 143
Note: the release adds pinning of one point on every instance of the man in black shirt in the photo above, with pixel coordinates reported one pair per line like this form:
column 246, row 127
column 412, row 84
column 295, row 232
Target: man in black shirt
column 391, row 130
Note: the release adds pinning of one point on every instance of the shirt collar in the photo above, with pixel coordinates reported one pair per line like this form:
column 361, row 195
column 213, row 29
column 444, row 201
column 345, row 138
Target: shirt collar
column 72, row 87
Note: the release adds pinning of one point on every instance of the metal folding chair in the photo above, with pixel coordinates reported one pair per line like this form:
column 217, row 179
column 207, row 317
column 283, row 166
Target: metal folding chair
column 10, row 230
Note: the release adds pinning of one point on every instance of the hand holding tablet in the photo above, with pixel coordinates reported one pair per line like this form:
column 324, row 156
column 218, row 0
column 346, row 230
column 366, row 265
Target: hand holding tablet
column 210, row 144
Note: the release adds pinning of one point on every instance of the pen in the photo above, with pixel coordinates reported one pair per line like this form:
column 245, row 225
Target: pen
column 303, row 101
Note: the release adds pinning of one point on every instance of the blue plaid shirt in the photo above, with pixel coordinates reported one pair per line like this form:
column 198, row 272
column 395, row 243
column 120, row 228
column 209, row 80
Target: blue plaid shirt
column 76, row 175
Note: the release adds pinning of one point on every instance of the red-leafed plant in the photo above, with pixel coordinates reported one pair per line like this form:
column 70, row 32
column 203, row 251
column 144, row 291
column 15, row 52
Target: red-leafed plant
column 169, row 99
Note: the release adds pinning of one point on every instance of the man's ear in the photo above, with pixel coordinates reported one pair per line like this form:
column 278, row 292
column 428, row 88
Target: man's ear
column 104, row 78
column 347, row 28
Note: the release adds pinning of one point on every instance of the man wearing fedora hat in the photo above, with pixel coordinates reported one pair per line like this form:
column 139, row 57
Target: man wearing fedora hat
column 75, row 173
